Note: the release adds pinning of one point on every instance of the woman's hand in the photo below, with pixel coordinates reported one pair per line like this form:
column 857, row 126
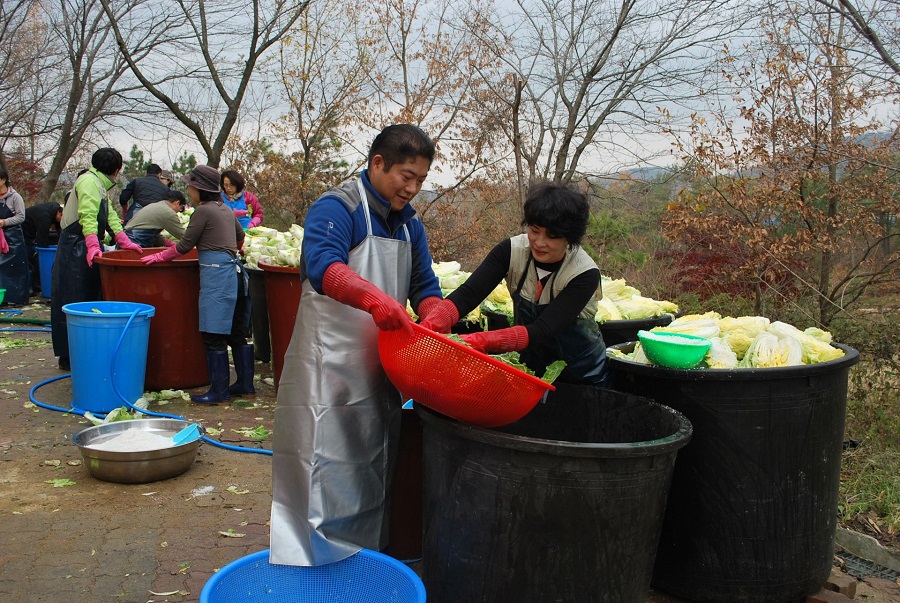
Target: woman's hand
column 170, row 253
column 512, row 339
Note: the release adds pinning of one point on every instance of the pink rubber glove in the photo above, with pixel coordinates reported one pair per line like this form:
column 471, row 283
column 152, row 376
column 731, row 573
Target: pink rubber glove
column 512, row 339
column 93, row 248
column 124, row 242
column 170, row 253
column 440, row 317
column 255, row 221
column 240, row 213
column 4, row 246
column 169, row 243
column 342, row 284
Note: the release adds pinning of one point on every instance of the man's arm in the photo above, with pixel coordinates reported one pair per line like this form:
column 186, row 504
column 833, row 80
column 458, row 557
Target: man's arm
column 126, row 194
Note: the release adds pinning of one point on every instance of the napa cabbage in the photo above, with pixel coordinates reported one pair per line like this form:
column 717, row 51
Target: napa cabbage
column 701, row 325
column 738, row 333
column 813, row 349
column 721, row 355
column 768, row 350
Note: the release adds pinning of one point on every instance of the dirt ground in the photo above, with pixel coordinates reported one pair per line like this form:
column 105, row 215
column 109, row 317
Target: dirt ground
column 95, row 541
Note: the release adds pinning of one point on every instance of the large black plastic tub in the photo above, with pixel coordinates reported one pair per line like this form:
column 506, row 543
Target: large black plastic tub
column 752, row 511
column 624, row 331
column 563, row 505
column 259, row 317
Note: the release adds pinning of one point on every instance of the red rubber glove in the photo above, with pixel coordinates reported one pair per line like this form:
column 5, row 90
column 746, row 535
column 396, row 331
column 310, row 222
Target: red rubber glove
column 512, row 339
column 124, row 242
column 169, row 243
column 93, row 248
column 170, row 253
column 439, row 317
column 4, row 246
column 342, row 284
column 240, row 213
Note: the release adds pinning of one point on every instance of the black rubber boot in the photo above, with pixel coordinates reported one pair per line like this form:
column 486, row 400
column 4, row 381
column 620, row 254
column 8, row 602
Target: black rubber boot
column 217, row 363
column 244, row 357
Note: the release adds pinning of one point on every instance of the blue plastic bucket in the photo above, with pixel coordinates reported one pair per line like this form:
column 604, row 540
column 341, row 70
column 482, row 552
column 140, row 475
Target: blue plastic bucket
column 46, row 255
column 94, row 332
column 366, row 577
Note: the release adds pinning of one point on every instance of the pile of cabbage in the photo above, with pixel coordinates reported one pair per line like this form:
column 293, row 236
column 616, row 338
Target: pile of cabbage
column 621, row 301
column 273, row 247
column 451, row 277
column 748, row 342
column 263, row 244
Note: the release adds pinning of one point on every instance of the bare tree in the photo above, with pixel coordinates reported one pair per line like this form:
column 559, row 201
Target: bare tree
column 322, row 72
column 428, row 68
column 876, row 22
column 590, row 74
column 70, row 83
column 25, row 62
column 210, row 53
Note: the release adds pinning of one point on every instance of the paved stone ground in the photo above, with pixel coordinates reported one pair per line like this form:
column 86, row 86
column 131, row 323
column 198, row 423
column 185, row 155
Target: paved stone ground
column 101, row 541
column 96, row 541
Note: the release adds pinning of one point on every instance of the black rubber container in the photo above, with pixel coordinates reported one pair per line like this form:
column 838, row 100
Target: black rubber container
column 623, row 331
column 564, row 505
column 752, row 511
column 259, row 316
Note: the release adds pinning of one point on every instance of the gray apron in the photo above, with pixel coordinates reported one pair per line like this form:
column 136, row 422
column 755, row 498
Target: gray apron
column 337, row 419
column 219, row 272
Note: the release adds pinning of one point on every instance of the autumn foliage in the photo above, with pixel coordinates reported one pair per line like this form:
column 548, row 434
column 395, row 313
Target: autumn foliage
column 803, row 198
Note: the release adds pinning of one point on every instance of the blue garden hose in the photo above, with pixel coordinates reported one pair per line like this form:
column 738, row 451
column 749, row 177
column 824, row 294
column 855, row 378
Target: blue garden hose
column 130, row 405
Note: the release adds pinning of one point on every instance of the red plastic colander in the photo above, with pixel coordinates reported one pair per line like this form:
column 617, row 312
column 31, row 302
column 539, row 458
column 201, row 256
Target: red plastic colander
column 456, row 380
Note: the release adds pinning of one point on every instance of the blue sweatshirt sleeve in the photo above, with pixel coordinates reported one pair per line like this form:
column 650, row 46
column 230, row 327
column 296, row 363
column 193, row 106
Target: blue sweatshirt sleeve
column 423, row 282
column 327, row 236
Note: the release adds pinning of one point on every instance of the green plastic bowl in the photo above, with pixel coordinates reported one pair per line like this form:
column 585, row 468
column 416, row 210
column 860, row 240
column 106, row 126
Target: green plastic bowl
column 674, row 350
column 2, row 295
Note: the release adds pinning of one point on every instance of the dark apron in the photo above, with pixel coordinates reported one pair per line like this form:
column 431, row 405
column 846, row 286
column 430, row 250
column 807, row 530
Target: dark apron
column 14, row 275
column 580, row 344
column 224, row 293
column 145, row 237
column 72, row 279
column 34, row 267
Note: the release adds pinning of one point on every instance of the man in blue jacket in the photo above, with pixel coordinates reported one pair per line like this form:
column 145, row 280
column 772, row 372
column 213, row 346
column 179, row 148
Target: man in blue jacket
column 338, row 417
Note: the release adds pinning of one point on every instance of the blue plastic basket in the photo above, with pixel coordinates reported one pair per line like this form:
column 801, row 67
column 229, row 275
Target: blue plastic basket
column 366, row 577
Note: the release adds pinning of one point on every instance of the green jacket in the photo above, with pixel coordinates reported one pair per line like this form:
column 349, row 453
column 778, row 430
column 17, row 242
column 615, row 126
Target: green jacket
column 84, row 206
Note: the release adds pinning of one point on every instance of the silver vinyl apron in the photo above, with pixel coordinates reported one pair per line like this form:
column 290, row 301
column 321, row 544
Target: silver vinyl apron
column 337, row 419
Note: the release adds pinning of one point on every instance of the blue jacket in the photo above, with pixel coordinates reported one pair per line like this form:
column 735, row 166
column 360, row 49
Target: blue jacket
column 336, row 224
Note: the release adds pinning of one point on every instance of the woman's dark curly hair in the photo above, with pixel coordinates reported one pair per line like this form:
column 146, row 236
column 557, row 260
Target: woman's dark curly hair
column 563, row 211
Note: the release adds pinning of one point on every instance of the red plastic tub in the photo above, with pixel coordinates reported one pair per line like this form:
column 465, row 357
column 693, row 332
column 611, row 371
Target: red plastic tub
column 176, row 358
column 282, row 300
